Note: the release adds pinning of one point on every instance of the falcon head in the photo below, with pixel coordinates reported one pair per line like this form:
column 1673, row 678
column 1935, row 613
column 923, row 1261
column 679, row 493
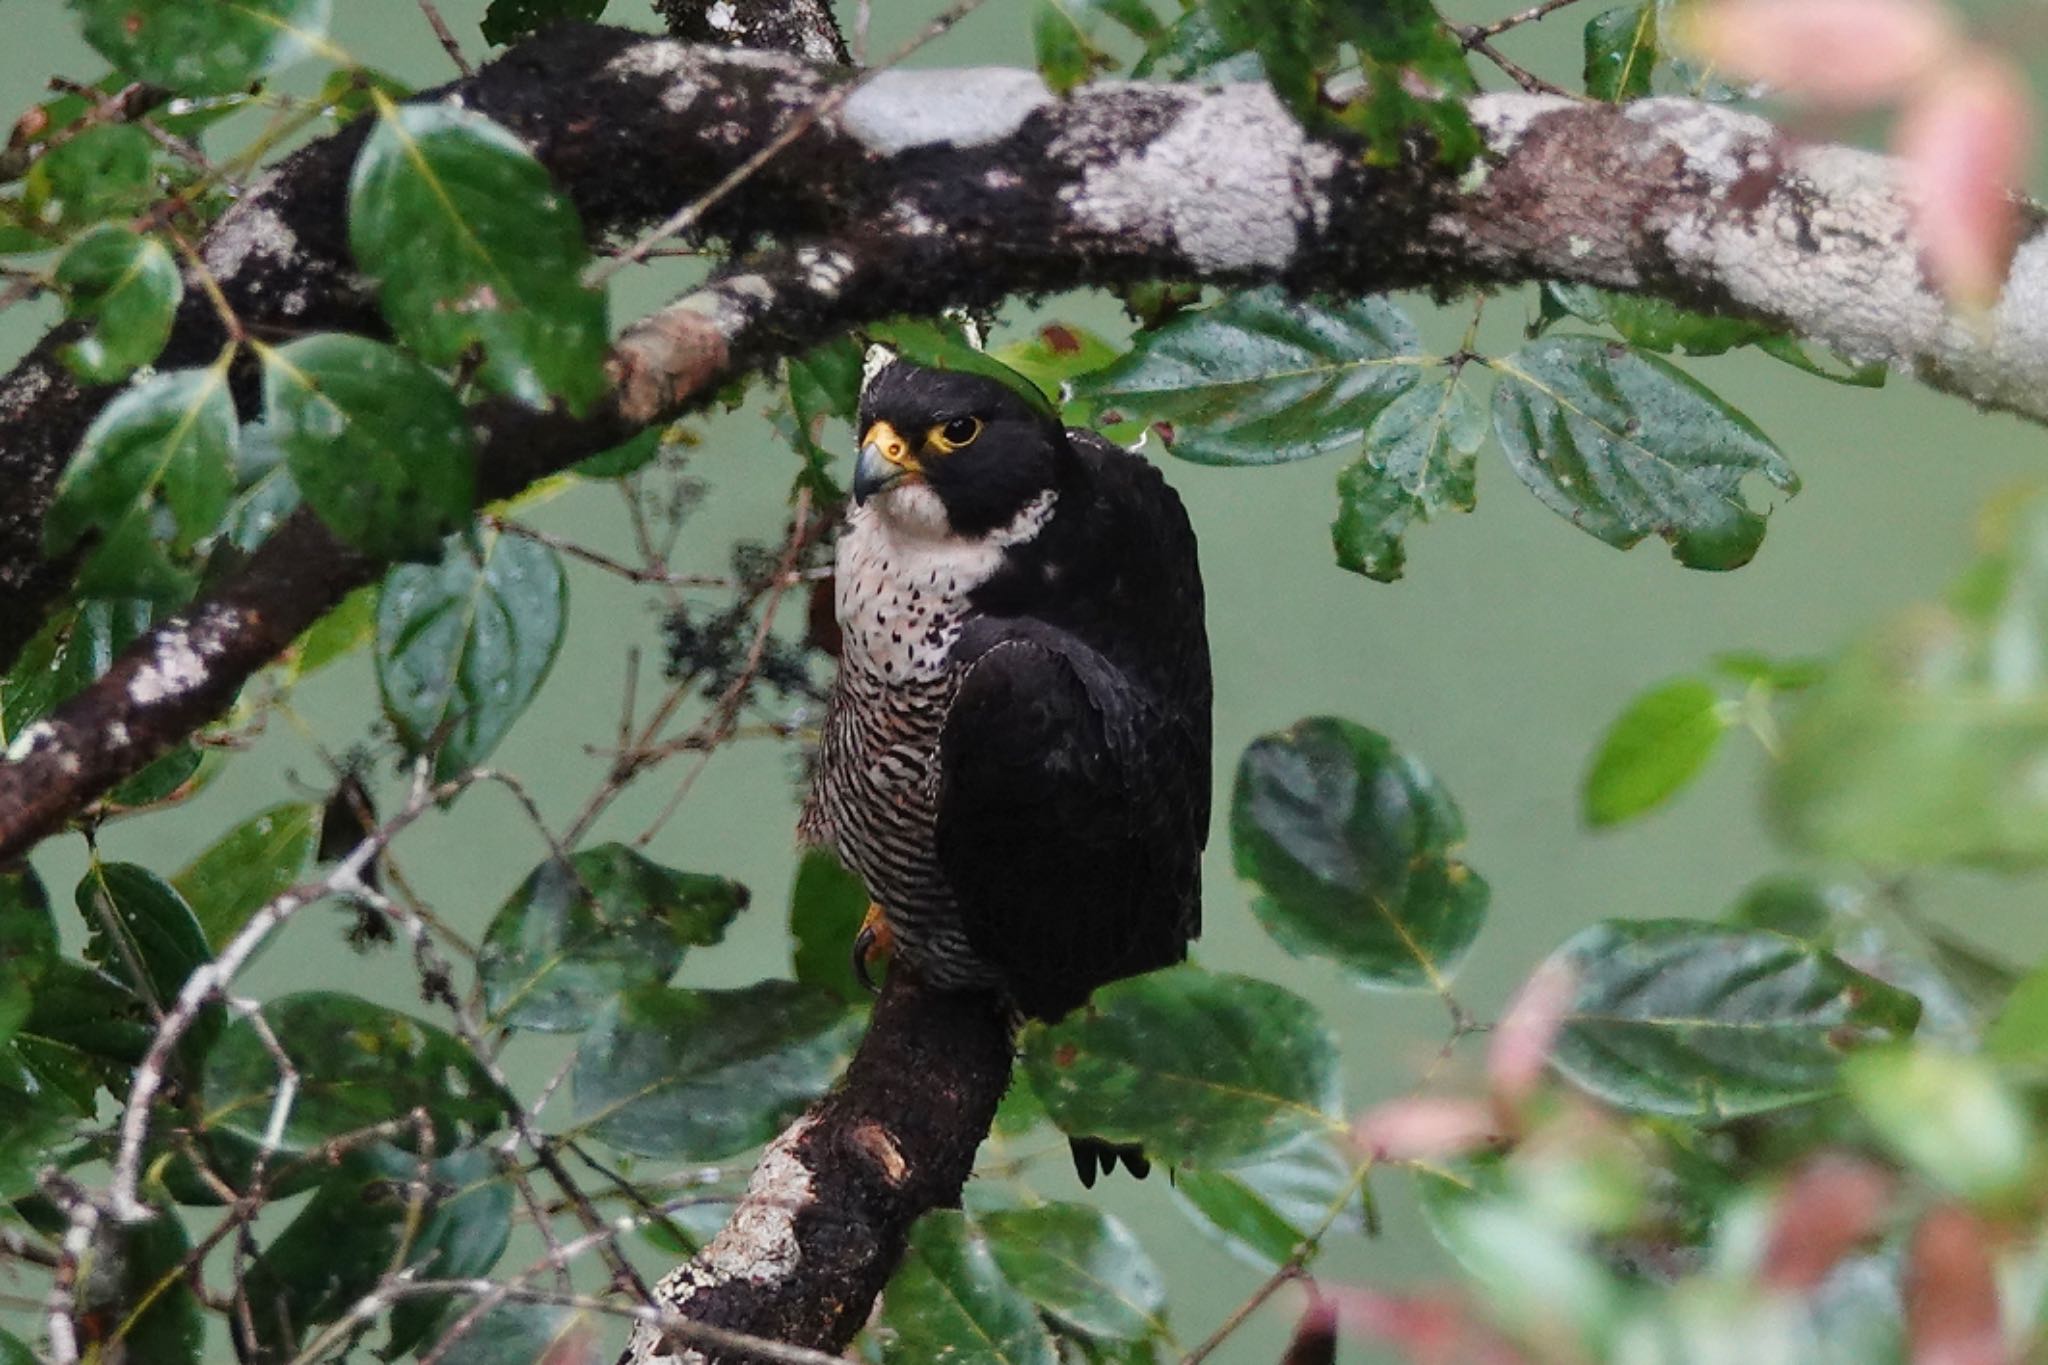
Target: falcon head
column 947, row 452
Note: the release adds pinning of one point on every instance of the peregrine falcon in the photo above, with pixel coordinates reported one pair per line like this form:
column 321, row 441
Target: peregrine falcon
column 1015, row 760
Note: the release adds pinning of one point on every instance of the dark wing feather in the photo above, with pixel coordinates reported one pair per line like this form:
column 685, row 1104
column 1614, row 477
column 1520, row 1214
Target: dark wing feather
column 1060, row 828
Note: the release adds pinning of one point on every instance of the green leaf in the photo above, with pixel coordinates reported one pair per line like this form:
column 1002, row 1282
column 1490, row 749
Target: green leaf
column 574, row 935
column 203, row 49
column 162, row 452
column 949, row 1301
column 1262, row 379
column 1199, row 1068
column 539, row 1332
column 1417, row 463
column 699, row 1075
column 1786, row 905
column 1082, row 1266
column 943, row 346
column 128, row 287
column 1056, row 353
column 13, row 1352
column 1263, row 1209
column 1291, row 38
column 340, row 632
column 105, row 171
column 1195, row 48
column 1352, row 846
column 1836, row 369
column 383, row 1210
column 28, row 945
column 1946, row 1113
column 2019, row 1035
column 1624, row 445
column 826, row 906
column 138, row 920
column 85, row 1031
column 475, row 251
column 1654, row 324
column 75, row 649
column 377, row 442
column 1708, row 1023
column 358, row 1064
column 824, row 384
column 1066, row 49
column 136, row 1305
column 1621, row 52
column 1653, row 749
column 507, row 21
column 463, row 646
column 1924, row 744
column 253, row 862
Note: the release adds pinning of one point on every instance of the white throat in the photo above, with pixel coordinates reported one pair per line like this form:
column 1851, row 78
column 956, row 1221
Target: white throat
column 904, row 578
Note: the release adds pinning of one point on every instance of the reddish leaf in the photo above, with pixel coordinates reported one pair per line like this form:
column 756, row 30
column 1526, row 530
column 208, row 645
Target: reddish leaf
column 1838, row 53
column 1425, row 1126
column 1520, row 1047
column 1315, row 1336
column 1952, row 1292
column 1966, row 140
column 1830, row 1206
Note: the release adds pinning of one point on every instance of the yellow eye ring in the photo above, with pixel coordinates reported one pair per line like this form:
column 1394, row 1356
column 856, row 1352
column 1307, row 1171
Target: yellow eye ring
column 948, row 437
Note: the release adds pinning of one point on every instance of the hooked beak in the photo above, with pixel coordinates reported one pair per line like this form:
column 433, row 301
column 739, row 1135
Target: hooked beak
column 885, row 461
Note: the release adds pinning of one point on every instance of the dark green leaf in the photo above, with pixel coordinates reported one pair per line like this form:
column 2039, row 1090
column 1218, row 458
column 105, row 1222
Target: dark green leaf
column 377, row 442
column 507, row 21
column 1417, row 463
column 824, row 384
column 358, row 1065
column 1194, row 48
column 1293, row 40
column 1653, row 749
column 360, row 1226
column 475, row 251
column 37, row 1121
column 826, row 906
column 949, row 1301
column 1082, row 1266
column 155, row 465
column 70, row 652
column 1197, row 1067
column 1708, row 1023
column 1621, row 52
column 172, row 775
column 127, row 287
column 462, row 647
column 575, row 935
column 135, row 1305
column 944, row 347
column 1265, row 1208
column 1353, row 848
column 138, row 920
column 351, row 92
column 86, row 1030
column 1786, row 905
column 245, row 867
column 1261, row 378
column 1656, row 324
column 12, row 1352
column 1625, row 445
column 628, row 458
column 539, row 1332
column 202, row 49
column 698, row 1075
column 28, row 945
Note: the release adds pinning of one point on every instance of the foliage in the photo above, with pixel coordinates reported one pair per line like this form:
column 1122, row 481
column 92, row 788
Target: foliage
column 1809, row 1126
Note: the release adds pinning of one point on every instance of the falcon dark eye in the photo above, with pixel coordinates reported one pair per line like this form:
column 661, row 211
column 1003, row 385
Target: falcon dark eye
column 956, row 433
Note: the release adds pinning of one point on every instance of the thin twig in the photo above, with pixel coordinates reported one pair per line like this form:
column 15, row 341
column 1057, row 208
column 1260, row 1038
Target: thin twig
column 448, row 43
column 1500, row 26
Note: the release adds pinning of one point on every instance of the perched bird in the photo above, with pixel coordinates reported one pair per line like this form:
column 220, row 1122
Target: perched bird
column 1015, row 760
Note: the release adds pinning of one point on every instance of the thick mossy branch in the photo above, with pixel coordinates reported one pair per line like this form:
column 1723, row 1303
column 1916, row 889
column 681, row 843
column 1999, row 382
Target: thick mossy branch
column 823, row 1222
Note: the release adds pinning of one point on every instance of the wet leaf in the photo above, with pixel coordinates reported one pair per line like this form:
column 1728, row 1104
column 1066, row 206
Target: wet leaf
column 1707, row 1023
column 699, row 1075
column 377, row 442
column 127, row 287
column 1262, row 379
column 1198, row 1068
column 1418, row 462
column 462, row 647
column 1353, row 848
column 202, row 49
column 1262, row 1209
column 1082, row 1266
column 949, row 1301
column 574, row 936
column 138, row 920
column 476, row 253
column 1625, row 445
column 1621, row 52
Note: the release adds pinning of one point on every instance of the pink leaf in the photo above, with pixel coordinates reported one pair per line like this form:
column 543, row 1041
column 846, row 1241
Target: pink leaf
column 1520, row 1047
column 1844, row 54
column 1433, row 1330
column 1965, row 140
column 1952, row 1292
column 1425, row 1126
column 1830, row 1206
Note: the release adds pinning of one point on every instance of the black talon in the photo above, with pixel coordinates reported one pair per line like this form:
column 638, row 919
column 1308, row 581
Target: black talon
column 863, row 943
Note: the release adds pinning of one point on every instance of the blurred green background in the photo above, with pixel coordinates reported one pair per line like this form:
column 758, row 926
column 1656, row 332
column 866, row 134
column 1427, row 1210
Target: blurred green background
column 1498, row 660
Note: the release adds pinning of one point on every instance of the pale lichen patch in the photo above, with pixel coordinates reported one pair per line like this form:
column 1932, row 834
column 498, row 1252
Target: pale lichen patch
column 252, row 229
column 964, row 107
column 29, row 740
column 175, row 667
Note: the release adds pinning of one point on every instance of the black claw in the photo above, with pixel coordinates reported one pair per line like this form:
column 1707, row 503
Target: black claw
column 1085, row 1153
column 1093, row 1156
column 863, row 943
column 1136, row 1162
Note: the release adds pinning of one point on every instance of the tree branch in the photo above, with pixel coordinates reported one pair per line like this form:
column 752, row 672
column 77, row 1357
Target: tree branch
column 823, row 1222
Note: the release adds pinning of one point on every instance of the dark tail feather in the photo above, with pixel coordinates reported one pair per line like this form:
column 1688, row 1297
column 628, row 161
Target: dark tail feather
column 1094, row 1156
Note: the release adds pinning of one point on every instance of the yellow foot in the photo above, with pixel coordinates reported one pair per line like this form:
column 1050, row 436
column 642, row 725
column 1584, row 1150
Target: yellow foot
column 873, row 943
